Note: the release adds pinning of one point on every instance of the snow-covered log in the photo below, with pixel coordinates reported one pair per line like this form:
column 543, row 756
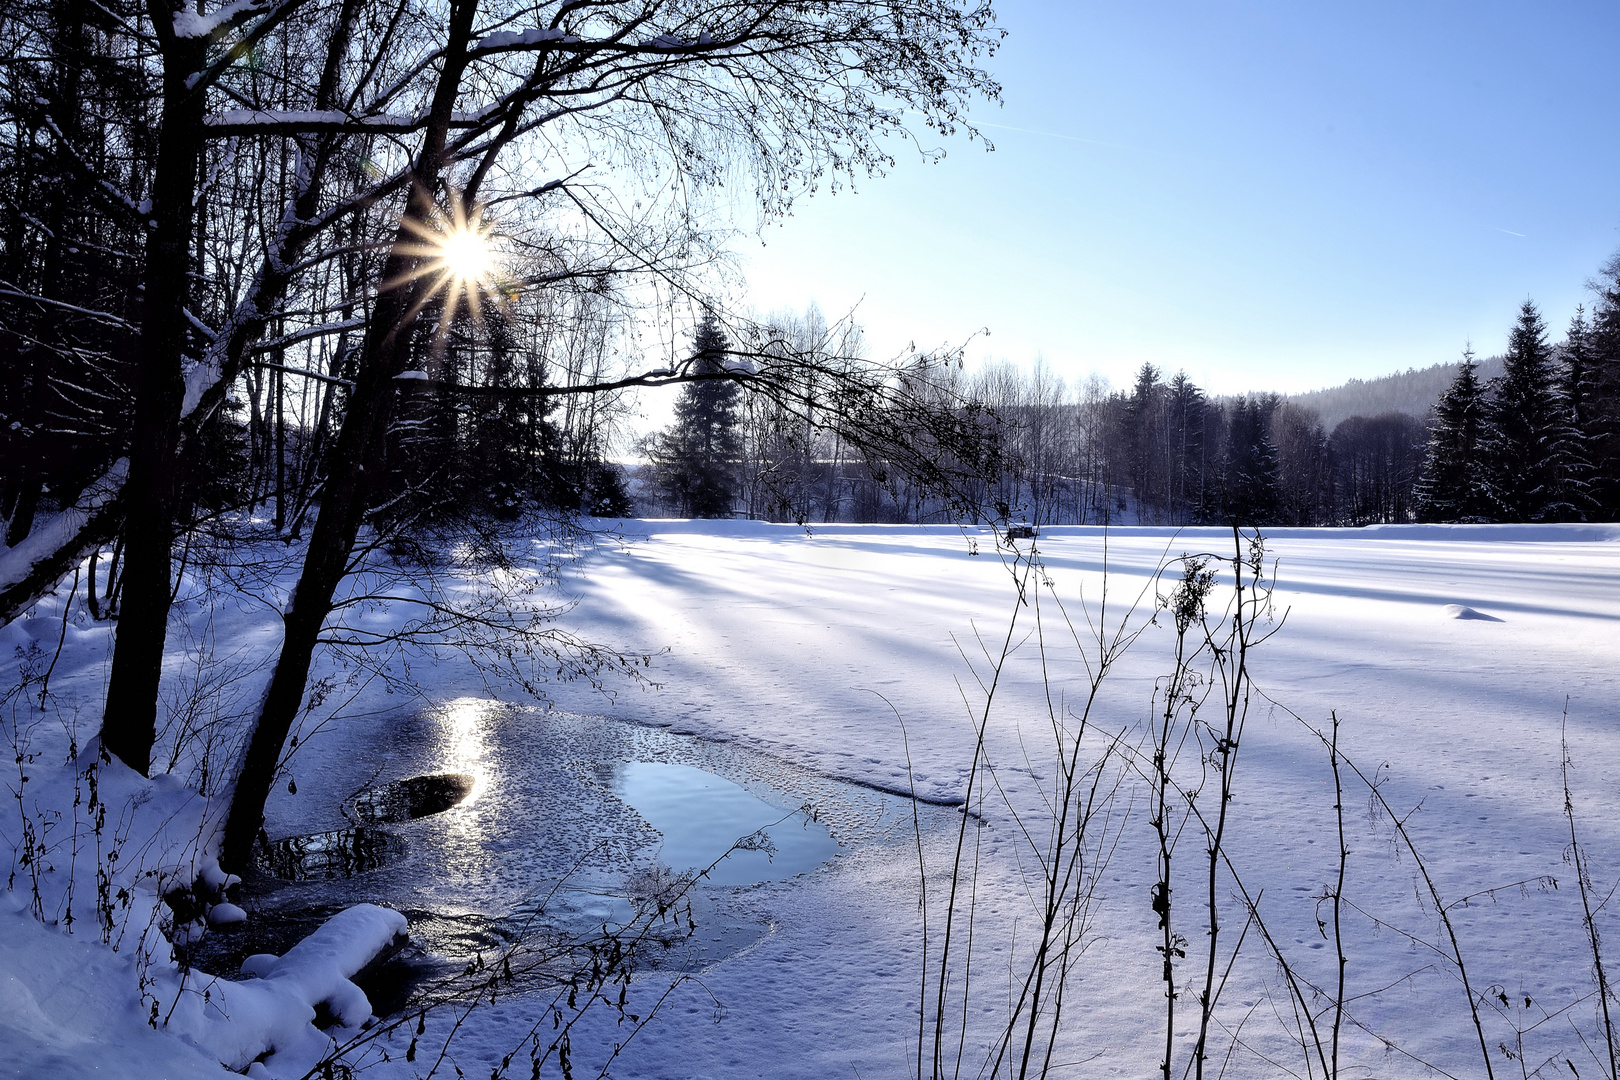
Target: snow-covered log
column 58, row 542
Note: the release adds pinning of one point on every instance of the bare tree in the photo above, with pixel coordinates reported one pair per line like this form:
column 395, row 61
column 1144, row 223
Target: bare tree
column 308, row 165
column 793, row 94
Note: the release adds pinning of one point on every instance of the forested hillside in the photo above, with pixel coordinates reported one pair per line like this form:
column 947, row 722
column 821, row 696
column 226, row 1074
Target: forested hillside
column 1412, row 392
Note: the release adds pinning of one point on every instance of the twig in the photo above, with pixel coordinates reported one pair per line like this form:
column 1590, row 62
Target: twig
column 1581, row 878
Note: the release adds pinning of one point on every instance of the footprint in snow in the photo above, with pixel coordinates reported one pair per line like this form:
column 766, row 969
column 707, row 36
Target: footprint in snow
column 1463, row 611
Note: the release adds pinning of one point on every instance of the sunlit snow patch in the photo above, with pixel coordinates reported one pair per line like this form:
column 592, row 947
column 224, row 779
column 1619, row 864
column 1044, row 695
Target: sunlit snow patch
column 701, row 816
column 1463, row 611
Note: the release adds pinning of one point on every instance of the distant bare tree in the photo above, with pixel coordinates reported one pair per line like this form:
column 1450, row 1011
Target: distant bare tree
column 1377, row 461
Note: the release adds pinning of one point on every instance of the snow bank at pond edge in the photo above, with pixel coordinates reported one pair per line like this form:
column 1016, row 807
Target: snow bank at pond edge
column 72, row 1005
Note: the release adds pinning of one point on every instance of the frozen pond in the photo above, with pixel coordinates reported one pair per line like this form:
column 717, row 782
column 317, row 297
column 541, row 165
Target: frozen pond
column 483, row 821
column 702, row 816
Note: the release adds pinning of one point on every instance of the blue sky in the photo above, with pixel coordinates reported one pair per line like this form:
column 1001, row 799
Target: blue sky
column 1268, row 195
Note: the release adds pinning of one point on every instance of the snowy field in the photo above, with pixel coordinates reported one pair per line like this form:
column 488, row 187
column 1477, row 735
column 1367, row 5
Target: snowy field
column 846, row 666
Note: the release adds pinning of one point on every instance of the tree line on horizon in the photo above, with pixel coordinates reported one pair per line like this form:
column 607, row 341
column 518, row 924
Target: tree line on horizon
column 1539, row 442
column 1164, row 452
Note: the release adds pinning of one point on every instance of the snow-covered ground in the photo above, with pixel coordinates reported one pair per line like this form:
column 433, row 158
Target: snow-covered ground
column 787, row 660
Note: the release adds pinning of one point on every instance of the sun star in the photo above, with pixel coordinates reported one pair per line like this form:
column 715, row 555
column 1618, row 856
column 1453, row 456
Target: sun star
column 466, row 255
column 456, row 255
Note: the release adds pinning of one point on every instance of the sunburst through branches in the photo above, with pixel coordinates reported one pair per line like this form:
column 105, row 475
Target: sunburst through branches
column 456, row 252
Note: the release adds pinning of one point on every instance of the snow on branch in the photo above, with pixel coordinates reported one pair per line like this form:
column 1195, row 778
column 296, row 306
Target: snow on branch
column 300, row 121
column 510, row 40
column 214, row 28
column 201, row 327
column 308, row 333
column 191, row 24
column 673, row 42
column 120, row 200
column 333, row 121
column 306, row 373
column 107, row 318
column 519, row 40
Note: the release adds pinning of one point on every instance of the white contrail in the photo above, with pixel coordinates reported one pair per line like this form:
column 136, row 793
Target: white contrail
column 1056, row 135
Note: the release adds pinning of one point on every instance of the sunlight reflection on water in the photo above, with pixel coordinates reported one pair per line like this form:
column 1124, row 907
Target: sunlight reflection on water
column 463, row 723
column 568, row 815
column 547, row 806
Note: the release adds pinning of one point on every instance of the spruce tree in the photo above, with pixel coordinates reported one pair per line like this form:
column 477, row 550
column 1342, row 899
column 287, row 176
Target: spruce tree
column 695, row 461
column 1142, row 422
column 1528, row 454
column 1602, row 405
column 1453, row 483
column 1578, row 394
column 1578, row 373
column 1188, row 408
column 1252, row 479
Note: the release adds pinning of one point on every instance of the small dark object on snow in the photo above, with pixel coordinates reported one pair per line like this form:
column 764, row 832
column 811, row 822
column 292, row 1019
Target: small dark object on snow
column 1020, row 532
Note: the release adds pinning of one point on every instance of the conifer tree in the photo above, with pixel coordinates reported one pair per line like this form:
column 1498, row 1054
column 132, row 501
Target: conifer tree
column 1188, row 410
column 1251, row 492
column 695, row 461
column 1578, row 394
column 1578, row 372
column 1453, row 483
column 1602, row 405
column 1142, row 422
column 1528, row 463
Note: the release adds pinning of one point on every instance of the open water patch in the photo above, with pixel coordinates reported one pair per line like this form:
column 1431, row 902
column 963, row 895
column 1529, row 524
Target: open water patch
column 517, row 828
column 337, row 853
column 548, row 806
column 343, row 853
column 712, row 826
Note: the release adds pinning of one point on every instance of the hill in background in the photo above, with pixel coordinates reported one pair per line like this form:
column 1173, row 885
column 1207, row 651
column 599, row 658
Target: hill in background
column 1412, row 391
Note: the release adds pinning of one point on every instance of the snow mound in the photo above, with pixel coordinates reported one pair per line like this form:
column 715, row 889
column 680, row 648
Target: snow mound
column 1463, row 611
column 67, row 1009
column 322, row 963
column 271, row 1019
column 226, row 915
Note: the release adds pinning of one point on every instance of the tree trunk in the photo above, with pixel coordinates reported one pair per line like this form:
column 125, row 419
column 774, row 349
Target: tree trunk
column 151, row 493
column 357, row 460
column 166, row 419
